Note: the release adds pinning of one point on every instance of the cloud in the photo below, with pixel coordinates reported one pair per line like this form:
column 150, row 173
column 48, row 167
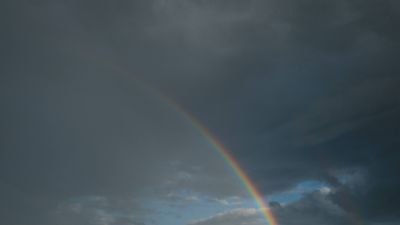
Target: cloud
column 242, row 216
column 296, row 90
column 75, row 126
column 314, row 208
column 323, row 99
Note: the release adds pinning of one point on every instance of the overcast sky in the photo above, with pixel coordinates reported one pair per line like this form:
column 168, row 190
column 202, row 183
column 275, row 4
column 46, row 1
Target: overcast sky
column 304, row 93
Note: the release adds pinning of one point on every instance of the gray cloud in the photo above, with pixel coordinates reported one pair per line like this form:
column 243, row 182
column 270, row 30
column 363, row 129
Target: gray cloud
column 75, row 126
column 314, row 208
column 242, row 216
column 297, row 90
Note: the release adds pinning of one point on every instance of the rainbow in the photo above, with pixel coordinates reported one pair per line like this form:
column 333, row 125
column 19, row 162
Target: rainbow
column 231, row 161
column 217, row 145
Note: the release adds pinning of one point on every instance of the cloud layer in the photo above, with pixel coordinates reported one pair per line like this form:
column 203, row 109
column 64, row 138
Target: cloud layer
column 297, row 90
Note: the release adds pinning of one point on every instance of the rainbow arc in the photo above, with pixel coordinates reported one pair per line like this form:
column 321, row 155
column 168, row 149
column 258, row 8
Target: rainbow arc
column 232, row 163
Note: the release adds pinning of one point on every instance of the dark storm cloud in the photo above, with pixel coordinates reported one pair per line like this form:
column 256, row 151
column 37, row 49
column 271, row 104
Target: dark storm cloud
column 315, row 208
column 308, row 89
column 329, row 101
column 298, row 90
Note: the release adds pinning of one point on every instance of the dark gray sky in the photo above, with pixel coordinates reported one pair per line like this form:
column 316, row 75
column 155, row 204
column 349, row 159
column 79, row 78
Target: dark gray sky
column 305, row 94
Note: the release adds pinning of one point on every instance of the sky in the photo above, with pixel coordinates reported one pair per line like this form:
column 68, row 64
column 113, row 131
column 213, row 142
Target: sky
column 304, row 95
